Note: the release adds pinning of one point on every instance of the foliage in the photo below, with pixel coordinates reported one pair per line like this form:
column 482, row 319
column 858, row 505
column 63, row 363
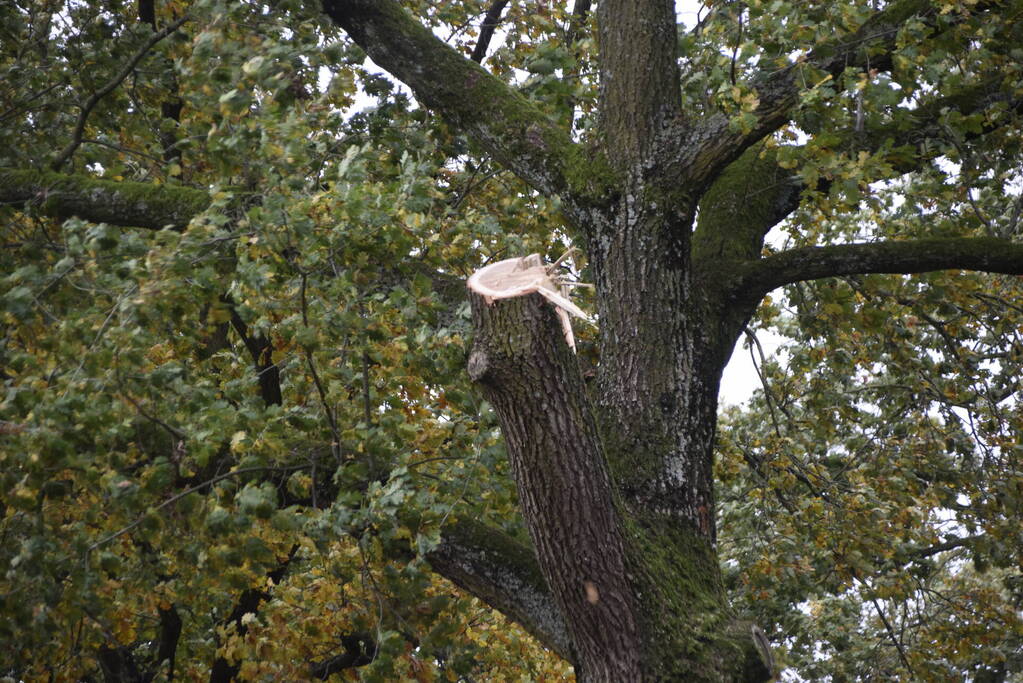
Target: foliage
column 259, row 427
column 877, row 472
column 143, row 471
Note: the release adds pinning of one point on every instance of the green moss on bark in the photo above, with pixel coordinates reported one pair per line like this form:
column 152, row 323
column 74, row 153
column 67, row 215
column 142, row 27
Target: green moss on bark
column 128, row 204
column 740, row 207
column 688, row 627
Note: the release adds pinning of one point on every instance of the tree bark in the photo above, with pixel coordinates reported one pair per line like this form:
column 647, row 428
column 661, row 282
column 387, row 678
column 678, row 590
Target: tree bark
column 128, row 204
column 629, row 566
column 529, row 374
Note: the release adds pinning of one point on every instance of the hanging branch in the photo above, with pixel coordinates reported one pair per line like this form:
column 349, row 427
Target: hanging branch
column 335, row 446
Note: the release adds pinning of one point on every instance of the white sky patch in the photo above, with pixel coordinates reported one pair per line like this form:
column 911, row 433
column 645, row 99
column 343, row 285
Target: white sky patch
column 740, row 378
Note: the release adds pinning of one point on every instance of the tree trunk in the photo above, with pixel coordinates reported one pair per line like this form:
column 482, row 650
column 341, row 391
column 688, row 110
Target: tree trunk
column 617, row 492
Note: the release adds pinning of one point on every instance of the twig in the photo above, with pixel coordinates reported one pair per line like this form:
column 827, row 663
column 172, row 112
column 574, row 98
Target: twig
column 894, row 639
column 335, row 446
column 365, row 388
column 21, row 106
column 173, row 431
column 735, row 49
column 119, row 148
column 192, row 489
column 763, row 380
column 580, row 14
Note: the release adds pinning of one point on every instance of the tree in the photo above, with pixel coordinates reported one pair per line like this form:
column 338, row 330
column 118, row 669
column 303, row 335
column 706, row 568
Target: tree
column 289, row 464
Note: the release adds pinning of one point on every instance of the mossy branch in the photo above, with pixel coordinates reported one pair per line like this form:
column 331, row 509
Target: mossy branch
column 989, row 254
column 502, row 572
column 498, row 118
column 127, row 204
column 753, row 194
column 712, row 144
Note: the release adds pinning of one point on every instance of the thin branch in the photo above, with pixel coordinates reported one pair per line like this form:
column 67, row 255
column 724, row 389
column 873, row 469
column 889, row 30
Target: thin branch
column 939, row 326
column 359, row 650
column 173, row 431
column 1017, row 211
column 891, row 635
column 119, row 148
column 18, row 107
column 191, row 489
column 756, row 467
column 335, row 446
column 735, row 49
column 261, row 349
column 768, row 396
column 170, row 636
column 90, row 104
column 490, row 22
column 580, row 14
column 225, row 669
column 367, row 416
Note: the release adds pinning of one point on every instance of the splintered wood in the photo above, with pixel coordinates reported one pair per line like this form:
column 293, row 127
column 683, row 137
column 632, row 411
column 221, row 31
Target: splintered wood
column 527, row 275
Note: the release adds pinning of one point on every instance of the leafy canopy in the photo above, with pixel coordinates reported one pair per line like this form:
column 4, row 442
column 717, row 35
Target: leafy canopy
column 258, row 425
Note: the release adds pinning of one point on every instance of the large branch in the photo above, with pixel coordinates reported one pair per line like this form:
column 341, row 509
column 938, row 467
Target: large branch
column 987, row 254
column 127, row 204
column 503, row 573
column 500, row 119
column 753, row 194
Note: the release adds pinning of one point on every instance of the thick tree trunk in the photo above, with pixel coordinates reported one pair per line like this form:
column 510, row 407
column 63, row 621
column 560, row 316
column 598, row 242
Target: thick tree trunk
column 617, row 493
column 616, row 487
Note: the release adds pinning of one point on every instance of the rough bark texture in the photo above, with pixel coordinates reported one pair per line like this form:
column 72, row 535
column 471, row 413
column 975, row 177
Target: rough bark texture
column 102, row 201
column 530, row 376
column 639, row 93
